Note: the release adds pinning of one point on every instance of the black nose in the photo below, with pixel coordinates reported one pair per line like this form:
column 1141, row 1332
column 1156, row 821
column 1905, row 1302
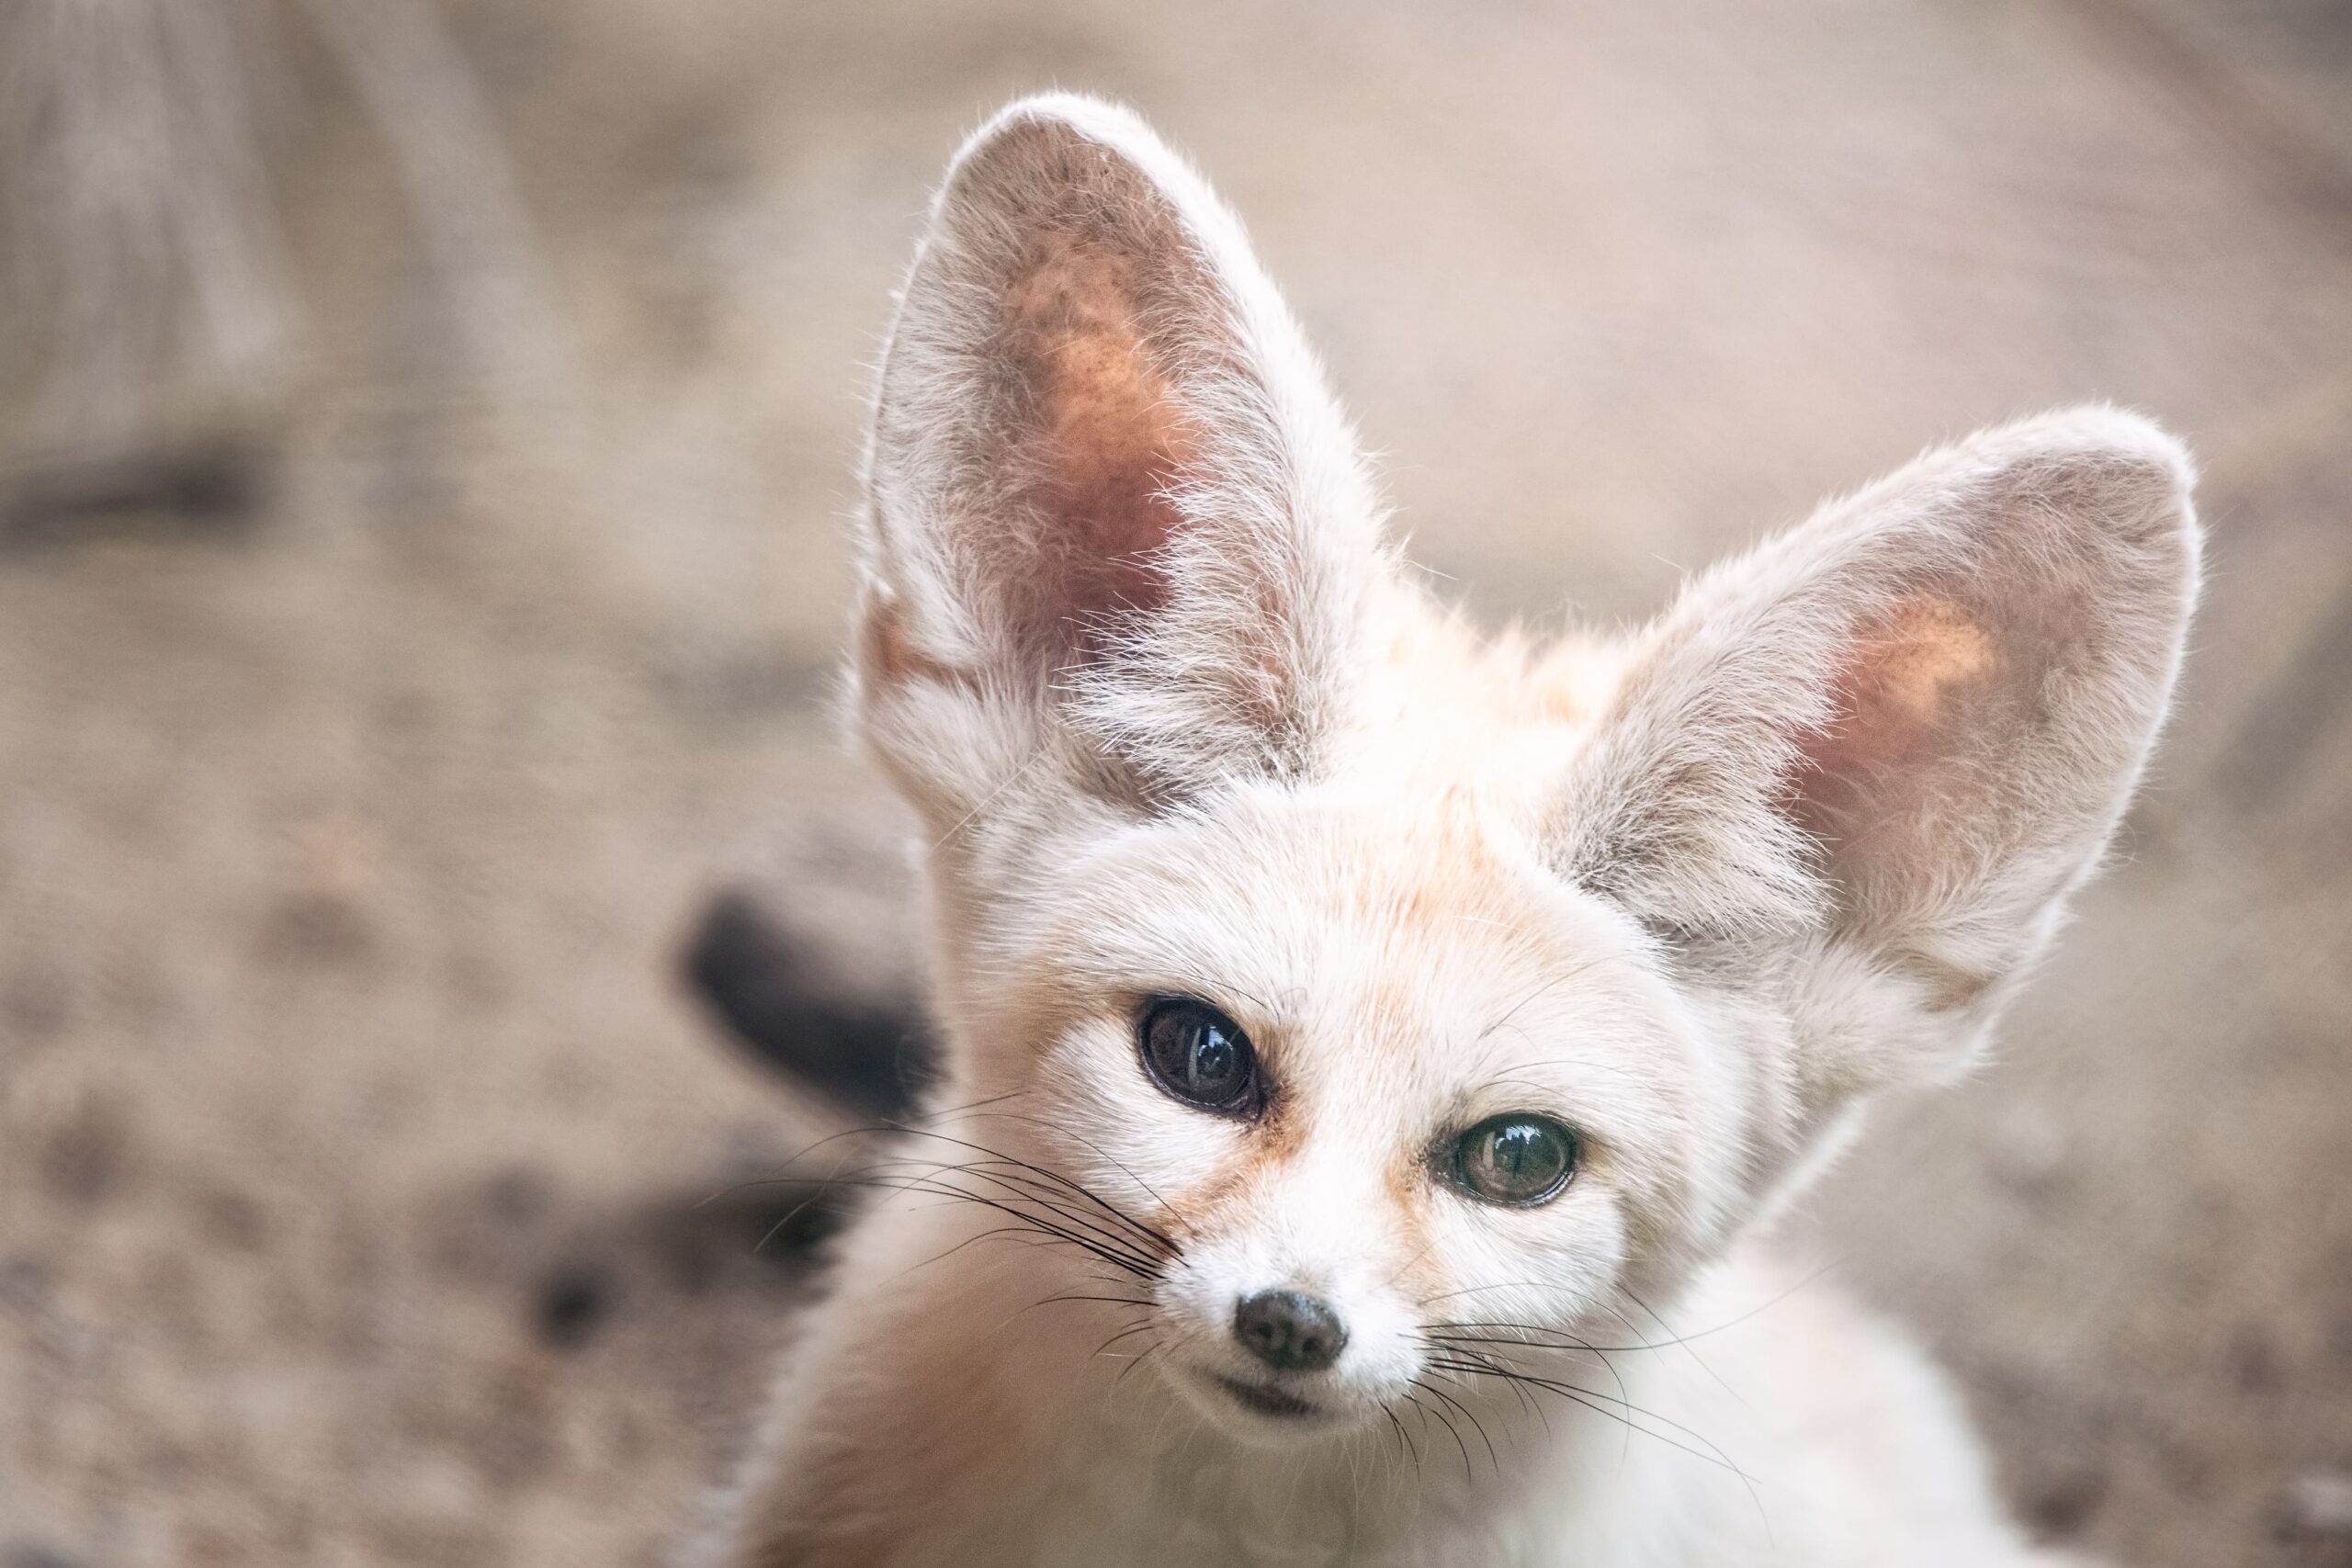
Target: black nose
column 1290, row 1332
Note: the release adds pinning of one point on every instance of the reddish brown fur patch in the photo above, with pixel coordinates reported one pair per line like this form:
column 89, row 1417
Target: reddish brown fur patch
column 1560, row 705
column 1409, row 1195
column 889, row 659
column 1109, row 434
column 1950, row 987
column 1899, row 700
column 1273, row 1140
column 1927, row 650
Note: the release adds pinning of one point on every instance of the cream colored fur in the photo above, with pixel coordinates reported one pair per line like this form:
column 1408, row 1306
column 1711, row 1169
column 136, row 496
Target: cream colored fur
column 1175, row 724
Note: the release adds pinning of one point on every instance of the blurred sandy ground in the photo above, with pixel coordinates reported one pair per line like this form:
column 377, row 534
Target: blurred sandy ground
column 353, row 1128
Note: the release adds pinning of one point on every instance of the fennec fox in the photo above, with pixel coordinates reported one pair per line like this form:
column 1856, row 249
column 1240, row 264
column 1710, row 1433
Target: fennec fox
column 1362, row 1038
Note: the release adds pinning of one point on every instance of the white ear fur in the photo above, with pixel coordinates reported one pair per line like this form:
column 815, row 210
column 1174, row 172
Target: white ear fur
column 1902, row 733
column 1116, row 520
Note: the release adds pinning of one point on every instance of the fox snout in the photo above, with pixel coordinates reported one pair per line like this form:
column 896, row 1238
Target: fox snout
column 1291, row 1339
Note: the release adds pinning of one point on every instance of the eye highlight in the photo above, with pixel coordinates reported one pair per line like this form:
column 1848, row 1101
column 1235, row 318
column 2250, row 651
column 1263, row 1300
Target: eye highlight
column 1198, row 1055
column 1516, row 1159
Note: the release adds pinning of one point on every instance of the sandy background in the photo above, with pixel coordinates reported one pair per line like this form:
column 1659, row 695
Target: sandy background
column 355, row 1132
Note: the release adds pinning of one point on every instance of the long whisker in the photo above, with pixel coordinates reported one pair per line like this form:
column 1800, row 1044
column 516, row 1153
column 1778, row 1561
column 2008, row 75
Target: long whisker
column 1045, row 1200
column 1144, row 1327
column 1428, row 1412
column 1120, row 1301
column 1457, row 1349
column 1132, row 1236
column 1478, row 1426
column 1485, row 1349
column 1138, row 1361
column 1600, row 1403
column 1069, row 1228
column 1404, row 1438
column 1092, row 1146
column 1075, row 1188
column 1687, row 1348
column 1668, row 1343
column 1023, row 1233
column 1136, row 1264
column 1017, row 1183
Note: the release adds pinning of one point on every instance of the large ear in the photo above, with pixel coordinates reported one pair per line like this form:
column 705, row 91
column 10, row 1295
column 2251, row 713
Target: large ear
column 1116, row 523
column 1897, row 737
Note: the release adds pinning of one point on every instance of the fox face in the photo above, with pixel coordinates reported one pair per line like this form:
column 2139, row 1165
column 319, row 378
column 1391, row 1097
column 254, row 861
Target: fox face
column 1366, row 1081
column 1340, row 996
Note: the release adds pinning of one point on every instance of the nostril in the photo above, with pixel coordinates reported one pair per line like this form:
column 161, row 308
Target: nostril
column 1290, row 1332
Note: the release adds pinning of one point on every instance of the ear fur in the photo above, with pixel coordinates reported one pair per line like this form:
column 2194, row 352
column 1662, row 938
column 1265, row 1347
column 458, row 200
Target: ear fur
column 1115, row 521
column 1905, row 729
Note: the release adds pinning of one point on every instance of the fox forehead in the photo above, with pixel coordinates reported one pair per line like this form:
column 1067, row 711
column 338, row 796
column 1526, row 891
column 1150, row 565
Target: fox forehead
column 1482, row 725
column 1409, row 878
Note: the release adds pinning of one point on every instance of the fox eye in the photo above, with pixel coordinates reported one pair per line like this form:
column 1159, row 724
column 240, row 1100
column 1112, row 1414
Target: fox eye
column 1518, row 1159
column 1197, row 1055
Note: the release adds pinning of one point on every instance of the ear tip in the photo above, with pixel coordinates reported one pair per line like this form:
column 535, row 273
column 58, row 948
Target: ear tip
column 2128, row 445
column 2141, row 476
column 1081, row 112
column 1038, row 123
column 1052, row 156
column 2115, row 431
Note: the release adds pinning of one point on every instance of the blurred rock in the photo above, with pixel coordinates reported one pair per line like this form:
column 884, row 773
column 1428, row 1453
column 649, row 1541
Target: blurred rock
column 572, row 1302
column 2065, row 1502
column 2030, row 1150
column 214, row 489
column 29, row 1555
column 2319, row 1503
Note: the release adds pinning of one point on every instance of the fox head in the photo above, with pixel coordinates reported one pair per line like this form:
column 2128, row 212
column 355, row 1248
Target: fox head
column 1354, row 983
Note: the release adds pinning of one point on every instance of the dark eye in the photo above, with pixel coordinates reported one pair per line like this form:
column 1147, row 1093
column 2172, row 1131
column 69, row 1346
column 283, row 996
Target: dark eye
column 1197, row 1055
column 1517, row 1159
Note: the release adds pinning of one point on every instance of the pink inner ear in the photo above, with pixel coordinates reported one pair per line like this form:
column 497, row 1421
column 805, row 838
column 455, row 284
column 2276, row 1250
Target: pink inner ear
column 1108, row 438
column 1903, row 699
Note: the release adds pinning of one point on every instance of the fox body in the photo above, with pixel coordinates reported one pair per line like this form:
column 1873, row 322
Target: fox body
column 1373, row 1050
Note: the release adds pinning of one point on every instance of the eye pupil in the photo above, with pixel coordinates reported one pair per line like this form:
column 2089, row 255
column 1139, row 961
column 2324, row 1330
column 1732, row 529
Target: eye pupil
column 1516, row 1159
column 1212, row 1060
column 1197, row 1056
